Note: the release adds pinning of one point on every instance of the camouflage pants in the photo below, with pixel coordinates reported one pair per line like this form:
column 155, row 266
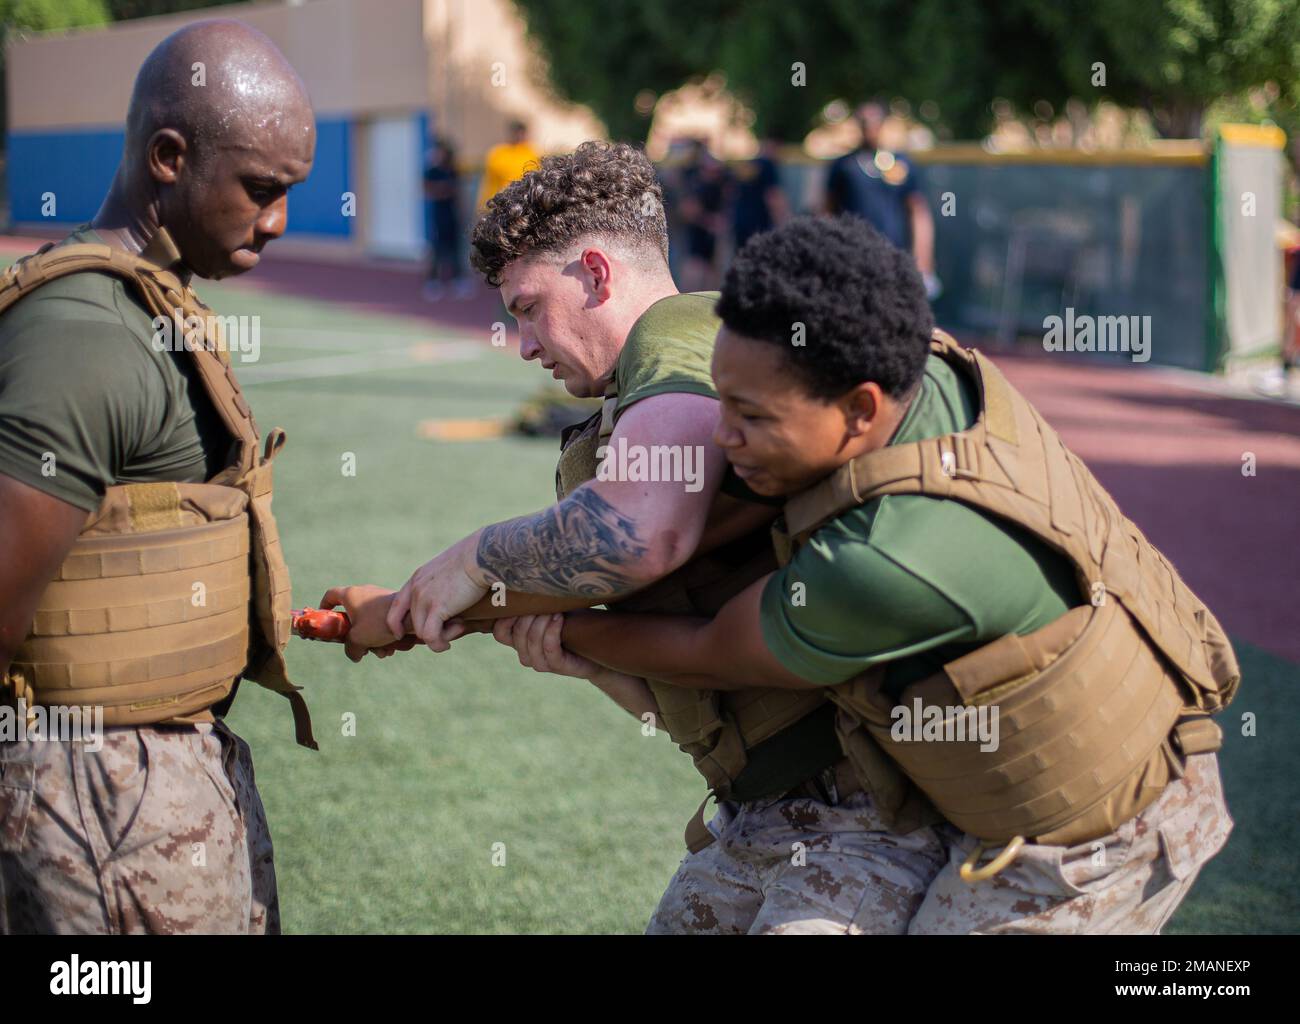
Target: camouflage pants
column 160, row 831
column 803, row 866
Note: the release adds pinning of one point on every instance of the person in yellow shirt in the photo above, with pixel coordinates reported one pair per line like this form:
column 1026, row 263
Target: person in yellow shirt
column 507, row 162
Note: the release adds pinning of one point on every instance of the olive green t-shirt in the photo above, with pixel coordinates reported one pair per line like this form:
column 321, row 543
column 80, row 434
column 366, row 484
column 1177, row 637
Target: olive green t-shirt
column 670, row 351
column 910, row 580
column 87, row 401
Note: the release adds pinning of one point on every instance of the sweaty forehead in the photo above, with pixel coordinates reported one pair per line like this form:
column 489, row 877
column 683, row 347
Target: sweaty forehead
column 223, row 82
column 272, row 145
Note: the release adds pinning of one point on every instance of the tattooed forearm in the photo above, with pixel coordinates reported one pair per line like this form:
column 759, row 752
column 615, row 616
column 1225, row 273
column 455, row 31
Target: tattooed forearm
column 583, row 545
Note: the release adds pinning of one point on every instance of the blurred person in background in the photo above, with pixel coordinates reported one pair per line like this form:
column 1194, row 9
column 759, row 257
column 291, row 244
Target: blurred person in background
column 760, row 204
column 1279, row 381
column 1291, row 336
column 884, row 189
column 705, row 188
column 507, row 162
column 442, row 189
column 1275, row 380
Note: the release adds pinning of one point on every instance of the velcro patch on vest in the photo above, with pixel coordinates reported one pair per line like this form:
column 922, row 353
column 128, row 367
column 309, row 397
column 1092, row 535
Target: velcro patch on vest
column 155, row 506
column 157, row 702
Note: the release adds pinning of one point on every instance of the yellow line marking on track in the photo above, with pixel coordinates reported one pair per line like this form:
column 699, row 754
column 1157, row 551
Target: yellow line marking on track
column 463, row 430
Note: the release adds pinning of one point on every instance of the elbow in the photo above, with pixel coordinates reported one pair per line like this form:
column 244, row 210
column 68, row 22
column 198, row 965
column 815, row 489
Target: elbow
column 667, row 551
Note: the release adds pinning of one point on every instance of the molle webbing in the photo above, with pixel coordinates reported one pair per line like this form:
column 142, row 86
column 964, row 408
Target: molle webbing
column 149, row 623
column 1071, row 736
column 119, row 625
column 1094, row 707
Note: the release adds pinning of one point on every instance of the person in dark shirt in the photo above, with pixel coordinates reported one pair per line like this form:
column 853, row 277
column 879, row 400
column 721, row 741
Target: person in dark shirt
column 1291, row 336
column 884, row 189
column 760, row 204
column 442, row 189
column 705, row 188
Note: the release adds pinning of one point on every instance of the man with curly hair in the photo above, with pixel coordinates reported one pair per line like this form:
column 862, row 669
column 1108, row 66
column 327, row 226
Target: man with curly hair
column 646, row 505
column 1021, row 684
column 579, row 250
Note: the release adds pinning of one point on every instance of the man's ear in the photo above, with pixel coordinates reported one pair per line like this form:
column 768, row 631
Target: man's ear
column 597, row 271
column 166, row 155
column 862, row 407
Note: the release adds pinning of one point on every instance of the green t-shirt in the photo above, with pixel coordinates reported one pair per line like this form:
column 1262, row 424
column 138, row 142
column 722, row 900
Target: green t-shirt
column 910, row 580
column 670, row 351
column 85, row 394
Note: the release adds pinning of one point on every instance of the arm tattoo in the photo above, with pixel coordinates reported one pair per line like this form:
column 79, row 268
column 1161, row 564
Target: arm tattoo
column 581, row 545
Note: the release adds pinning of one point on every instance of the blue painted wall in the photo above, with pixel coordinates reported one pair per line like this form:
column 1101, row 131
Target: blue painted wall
column 315, row 206
column 77, row 165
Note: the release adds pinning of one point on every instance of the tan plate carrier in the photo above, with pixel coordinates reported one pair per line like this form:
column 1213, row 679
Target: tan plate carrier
column 1096, row 710
column 171, row 591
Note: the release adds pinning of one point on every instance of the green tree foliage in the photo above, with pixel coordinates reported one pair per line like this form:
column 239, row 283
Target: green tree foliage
column 47, row 15
column 604, row 56
column 1171, row 57
column 1175, row 58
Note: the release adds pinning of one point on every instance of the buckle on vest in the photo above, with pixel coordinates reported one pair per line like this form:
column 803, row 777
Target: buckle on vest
column 958, row 457
column 1197, row 734
column 27, row 274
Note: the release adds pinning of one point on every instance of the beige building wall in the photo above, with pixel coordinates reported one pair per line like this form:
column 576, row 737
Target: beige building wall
column 466, row 63
column 357, row 57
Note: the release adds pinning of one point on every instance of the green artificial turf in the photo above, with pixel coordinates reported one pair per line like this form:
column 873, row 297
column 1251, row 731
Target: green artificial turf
column 1250, row 886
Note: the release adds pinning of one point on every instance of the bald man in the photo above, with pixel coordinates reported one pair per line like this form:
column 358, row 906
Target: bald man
column 132, row 492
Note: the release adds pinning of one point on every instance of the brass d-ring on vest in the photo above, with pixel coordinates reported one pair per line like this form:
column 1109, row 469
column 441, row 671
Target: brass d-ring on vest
column 970, row 874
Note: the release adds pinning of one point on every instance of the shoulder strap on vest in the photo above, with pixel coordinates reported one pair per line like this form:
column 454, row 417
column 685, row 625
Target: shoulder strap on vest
column 164, row 295
column 50, row 262
column 1013, row 465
